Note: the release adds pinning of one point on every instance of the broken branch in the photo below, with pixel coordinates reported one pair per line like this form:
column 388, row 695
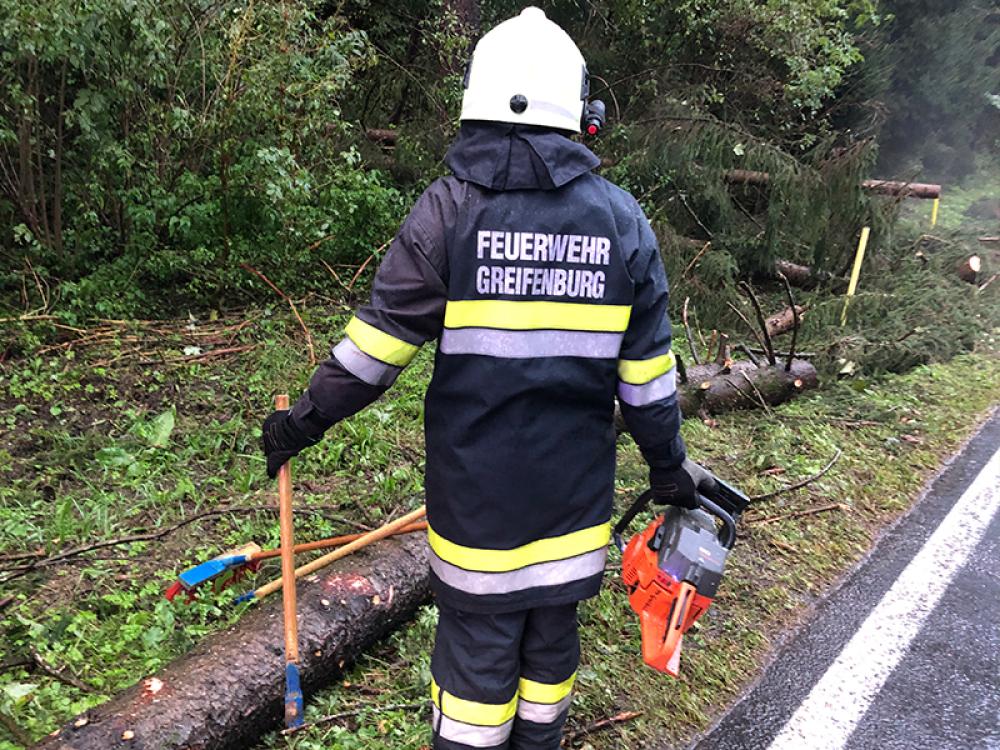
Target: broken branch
column 795, row 320
column 601, row 724
column 748, row 290
column 295, row 310
column 804, row 482
column 687, row 332
column 62, row 675
column 750, row 328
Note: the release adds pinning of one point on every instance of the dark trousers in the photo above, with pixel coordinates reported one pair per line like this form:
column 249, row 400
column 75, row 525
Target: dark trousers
column 504, row 680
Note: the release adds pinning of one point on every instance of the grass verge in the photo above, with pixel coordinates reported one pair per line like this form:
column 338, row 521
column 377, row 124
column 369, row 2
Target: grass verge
column 135, row 430
column 893, row 435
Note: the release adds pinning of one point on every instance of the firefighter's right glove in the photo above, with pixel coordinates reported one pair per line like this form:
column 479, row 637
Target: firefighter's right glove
column 282, row 439
column 680, row 486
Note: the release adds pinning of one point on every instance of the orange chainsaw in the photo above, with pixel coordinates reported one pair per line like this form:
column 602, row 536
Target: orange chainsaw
column 672, row 569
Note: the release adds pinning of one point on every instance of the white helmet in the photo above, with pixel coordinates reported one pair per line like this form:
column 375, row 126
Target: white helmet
column 528, row 71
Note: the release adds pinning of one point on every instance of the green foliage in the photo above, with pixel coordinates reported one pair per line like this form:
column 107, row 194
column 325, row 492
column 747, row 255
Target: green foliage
column 771, row 66
column 163, row 144
column 109, row 463
column 911, row 309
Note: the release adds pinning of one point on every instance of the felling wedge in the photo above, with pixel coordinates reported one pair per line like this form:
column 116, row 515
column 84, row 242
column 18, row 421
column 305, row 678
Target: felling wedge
column 229, row 568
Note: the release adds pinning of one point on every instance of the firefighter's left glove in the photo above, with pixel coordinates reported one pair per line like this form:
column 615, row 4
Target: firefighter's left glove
column 680, row 486
column 282, row 439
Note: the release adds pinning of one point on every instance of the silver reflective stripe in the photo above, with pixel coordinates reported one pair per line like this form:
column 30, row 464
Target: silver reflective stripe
column 542, row 713
column 364, row 367
column 470, row 734
column 525, row 344
column 541, row 574
column 647, row 393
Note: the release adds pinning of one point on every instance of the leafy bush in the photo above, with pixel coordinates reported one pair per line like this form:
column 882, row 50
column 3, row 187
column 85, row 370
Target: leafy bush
column 150, row 148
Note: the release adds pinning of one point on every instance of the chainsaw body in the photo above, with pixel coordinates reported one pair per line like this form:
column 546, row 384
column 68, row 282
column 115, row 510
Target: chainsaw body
column 673, row 568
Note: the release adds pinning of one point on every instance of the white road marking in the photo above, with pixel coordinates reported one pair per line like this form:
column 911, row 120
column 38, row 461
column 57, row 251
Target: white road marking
column 831, row 711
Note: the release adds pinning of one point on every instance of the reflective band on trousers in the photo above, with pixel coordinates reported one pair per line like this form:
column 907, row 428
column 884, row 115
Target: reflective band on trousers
column 550, row 573
column 535, row 315
column 545, row 692
column 363, row 367
column 470, row 734
column 539, row 551
column 379, row 344
column 654, row 390
column 542, row 713
column 523, row 344
column 639, row 371
column 472, row 712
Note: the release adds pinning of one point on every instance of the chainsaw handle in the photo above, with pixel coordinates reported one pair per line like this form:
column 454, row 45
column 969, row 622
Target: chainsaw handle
column 623, row 523
column 727, row 536
column 728, row 524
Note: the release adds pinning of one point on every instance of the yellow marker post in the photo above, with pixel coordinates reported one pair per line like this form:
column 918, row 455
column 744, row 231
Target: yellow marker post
column 859, row 258
column 934, row 211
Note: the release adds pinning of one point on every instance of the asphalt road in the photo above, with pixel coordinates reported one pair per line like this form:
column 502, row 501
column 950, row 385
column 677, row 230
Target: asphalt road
column 905, row 655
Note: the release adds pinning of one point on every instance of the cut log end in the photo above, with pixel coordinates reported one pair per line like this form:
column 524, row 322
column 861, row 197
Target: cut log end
column 968, row 269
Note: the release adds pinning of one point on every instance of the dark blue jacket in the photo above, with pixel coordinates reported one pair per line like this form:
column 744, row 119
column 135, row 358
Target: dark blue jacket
column 543, row 286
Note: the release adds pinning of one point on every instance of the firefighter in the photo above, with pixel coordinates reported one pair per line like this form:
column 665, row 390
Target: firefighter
column 543, row 287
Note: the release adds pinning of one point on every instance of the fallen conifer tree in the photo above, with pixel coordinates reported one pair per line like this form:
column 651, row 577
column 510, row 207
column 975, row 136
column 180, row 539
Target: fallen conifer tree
column 228, row 690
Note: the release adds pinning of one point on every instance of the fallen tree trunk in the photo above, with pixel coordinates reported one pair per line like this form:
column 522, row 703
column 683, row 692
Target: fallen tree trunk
column 745, row 386
column 881, row 187
column 784, row 321
column 228, row 690
column 382, row 136
column 714, row 389
column 805, row 277
column 905, row 189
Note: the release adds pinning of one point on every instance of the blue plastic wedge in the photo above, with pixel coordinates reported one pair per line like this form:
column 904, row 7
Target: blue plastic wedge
column 209, row 569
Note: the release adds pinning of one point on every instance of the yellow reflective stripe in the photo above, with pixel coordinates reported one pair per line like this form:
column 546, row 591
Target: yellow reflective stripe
column 639, row 371
column 379, row 344
column 534, row 315
column 471, row 712
column 540, row 551
column 540, row 692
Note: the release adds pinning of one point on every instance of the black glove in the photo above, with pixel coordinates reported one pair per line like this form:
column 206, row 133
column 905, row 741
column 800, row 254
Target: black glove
column 282, row 439
column 679, row 486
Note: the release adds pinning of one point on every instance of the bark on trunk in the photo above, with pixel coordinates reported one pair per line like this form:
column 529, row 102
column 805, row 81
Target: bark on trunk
column 229, row 689
column 881, row 187
column 714, row 389
column 783, row 321
column 744, row 387
column 805, row 277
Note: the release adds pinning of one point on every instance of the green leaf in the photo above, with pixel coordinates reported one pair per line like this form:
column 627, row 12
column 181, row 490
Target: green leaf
column 114, row 456
column 160, row 429
column 19, row 692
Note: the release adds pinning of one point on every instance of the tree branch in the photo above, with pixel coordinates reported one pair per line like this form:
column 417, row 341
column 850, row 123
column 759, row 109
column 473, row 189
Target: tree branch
column 803, row 483
column 295, row 310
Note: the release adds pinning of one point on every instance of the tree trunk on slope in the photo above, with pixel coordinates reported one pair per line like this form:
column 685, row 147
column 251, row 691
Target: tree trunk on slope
column 229, row 689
